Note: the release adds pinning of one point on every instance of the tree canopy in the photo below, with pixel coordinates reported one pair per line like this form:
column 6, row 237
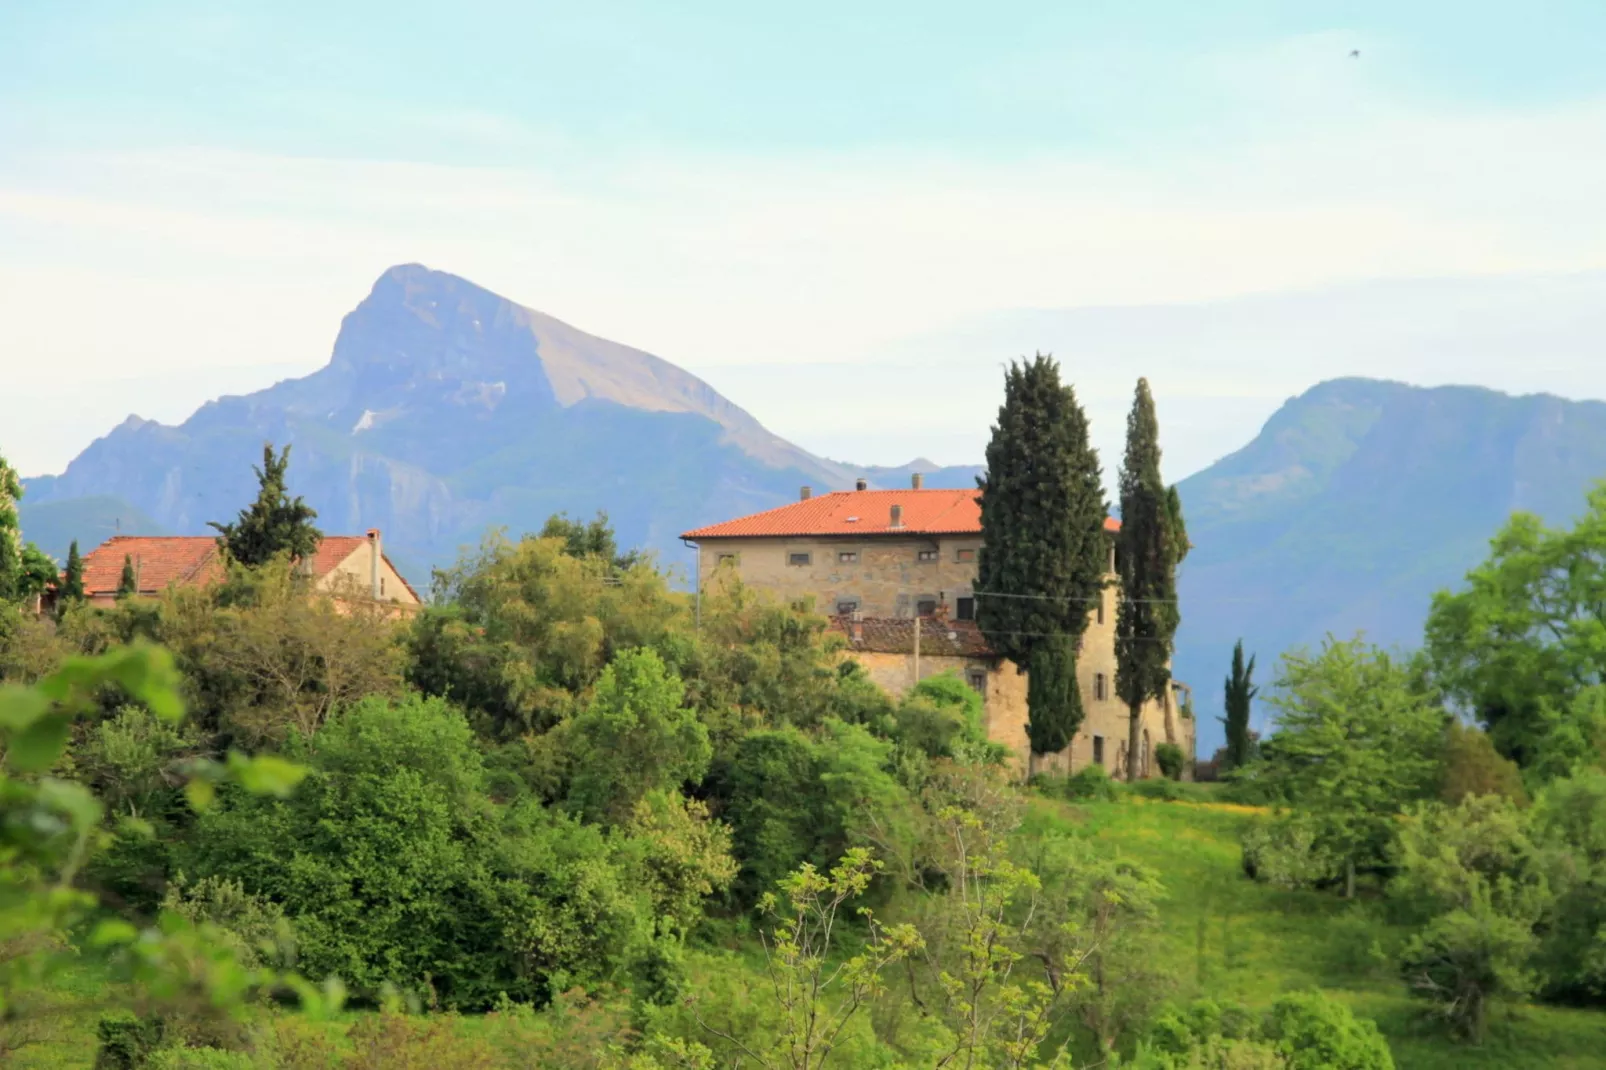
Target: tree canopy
column 275, row 523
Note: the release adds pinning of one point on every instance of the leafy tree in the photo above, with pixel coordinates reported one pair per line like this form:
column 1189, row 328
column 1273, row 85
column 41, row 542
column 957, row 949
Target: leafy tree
column 1151, row 543
column 127, row 582
column 1473, row 767
column 273, row 525
column 72, row 578
column 1240, row 692
column 10, row 531
column 593, row 539
column 1051, row 686
column 1358, row 739
column 1169, row 757
column 634, row 737
column 1476, row 881
column 1044, row 551
column 1527, row 635
column 1302, row 1031
column 1569, row 822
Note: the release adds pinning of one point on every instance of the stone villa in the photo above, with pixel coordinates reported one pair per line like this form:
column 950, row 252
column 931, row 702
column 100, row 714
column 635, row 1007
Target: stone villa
column 343, row 565
column 895, row 570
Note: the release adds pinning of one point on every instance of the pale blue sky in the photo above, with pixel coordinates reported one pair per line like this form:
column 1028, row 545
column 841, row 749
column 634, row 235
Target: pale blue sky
column 191, row 194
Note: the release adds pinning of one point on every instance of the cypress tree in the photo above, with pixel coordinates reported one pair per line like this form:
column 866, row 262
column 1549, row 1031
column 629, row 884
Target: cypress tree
column 1240, row 690
column 126, row 583
column 1041, row 565
column 72, row 580
column 1146, row 619
column 275, row 523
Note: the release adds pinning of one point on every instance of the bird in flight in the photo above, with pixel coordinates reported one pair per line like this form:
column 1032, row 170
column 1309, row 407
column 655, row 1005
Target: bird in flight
column 1354, row 53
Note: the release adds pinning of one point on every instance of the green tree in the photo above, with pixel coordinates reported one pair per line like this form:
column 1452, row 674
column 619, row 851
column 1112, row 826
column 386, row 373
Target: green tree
column 275, row 523
column 593, row 539
column 634, row 737
column 1044, row 551
column 1240, row 692
column 127, row 582
column 1151, row 544
column 1476, row 883
column 1051, row 689
column 10, row 531
column 1359, row 735
column 1569, row 821
column 72, row 579
column 1526, row 636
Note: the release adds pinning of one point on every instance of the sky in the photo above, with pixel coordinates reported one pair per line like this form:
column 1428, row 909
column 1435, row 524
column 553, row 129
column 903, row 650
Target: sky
column 845, row 216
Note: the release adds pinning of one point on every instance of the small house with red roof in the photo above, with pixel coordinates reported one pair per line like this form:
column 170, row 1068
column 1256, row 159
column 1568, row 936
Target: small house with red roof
column 345, row 565
column 895, row 571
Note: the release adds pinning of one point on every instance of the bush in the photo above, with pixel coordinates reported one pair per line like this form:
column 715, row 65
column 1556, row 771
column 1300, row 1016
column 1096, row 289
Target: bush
column 1160, row 789
column 1091, row 782
column 1286, row 851
column 1169, row 757
column 127, row 1041
column 1301, row 1032
column 1473, row 767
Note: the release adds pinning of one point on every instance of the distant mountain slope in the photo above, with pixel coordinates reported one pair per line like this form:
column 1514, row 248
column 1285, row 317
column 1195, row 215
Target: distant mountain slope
column 446, row 409
column 53, row 525
column 1358, row 500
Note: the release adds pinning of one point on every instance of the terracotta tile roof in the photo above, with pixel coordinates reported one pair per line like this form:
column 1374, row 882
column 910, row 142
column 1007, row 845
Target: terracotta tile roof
column 192, row 560
column 159, row 561
column 896, row 635
column 864, row 512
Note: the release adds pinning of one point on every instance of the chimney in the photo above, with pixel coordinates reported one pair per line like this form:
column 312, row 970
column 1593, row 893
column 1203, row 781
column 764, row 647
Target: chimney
column 917, row 481
column 375, row 551
column 897, row 517
column 861, row 485
column 857, row 626
column 805, row 494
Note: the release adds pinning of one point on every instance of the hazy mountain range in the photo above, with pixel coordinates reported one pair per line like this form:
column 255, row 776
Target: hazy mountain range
column 446, row 409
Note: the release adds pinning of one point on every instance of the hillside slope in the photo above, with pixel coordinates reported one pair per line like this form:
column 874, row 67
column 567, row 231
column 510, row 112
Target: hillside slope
column 1355, row 502
column 446, row 409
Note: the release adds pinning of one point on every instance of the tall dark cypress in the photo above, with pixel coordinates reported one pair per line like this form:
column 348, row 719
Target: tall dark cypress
column 275, row 523
column 1146, row 619
column 127, row 583
column 72, row 579
column 1041, row 567
column 1240, row 691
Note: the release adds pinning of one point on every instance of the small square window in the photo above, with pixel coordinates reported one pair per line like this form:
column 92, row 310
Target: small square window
column 965, row 609
column 798, row 559
column 977, row 679
column 926, row 607
column 727, row 559
column 966, row 554
column 927, row 555
column 846, row 608
column 848, row 557
column 1098, row 750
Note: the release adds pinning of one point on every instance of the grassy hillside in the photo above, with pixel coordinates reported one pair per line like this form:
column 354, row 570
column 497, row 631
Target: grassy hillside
column 1223, row 936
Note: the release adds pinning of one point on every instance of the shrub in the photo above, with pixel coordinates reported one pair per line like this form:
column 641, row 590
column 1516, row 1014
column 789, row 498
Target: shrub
column 1473, row 767
column 1091, row 782
column 1301, row 1032
column 1162, row 789
column 1286, row 851
column 127, row 1041
column 1169, row 757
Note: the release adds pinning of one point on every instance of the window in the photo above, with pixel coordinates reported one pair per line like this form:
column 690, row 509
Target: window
column 798, row 559
column 381, row 586
column 977, row 679
column 1101, row 607
column 1098, row 750
column 926, row 555
column 965, row 608
column 1101, row 687
column 926, row 607
column 847, row 607
column 848, row 557
column 966, row 554
column 727, row 559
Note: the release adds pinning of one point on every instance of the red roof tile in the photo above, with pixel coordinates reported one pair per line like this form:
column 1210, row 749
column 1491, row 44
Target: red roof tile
column 187, row 560
column 864, row 512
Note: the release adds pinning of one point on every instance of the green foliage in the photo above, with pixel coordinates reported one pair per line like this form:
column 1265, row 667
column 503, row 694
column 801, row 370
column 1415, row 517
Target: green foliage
column 1092, row 782
column 1044, row 553
column 72, row 578
column 1472, row 766
column 275, row 525
column 593, row 539
column 1169, row 757
column 10, row 532
column 1302, row 1031
column 632, row 738
column 1525, row 636
column 1150, row 545
column 1053, row 697
column 253, row 927
column 127, row 581
column 1359, row 738
column 1240, row 693
column 127, row 1041
column 1569, row 821
column 1290, row 851
column 1477, row 881
column 940, row 717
